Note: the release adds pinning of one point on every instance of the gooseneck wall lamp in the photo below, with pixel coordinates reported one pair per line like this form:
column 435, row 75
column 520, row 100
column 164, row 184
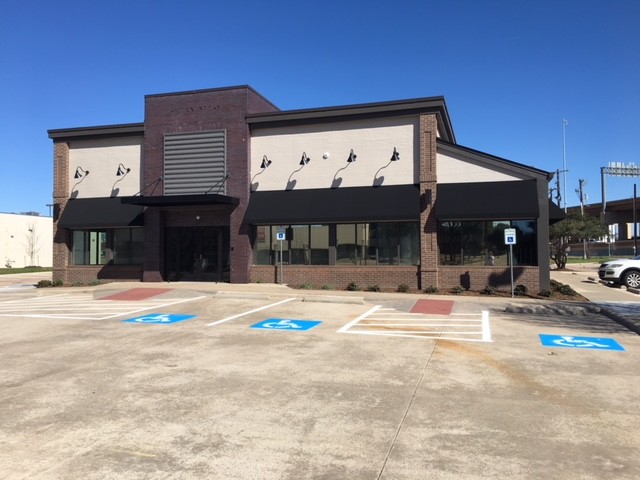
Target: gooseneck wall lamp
column 122, row 170
column 304, row 160
column 395, row 156
column 265, row 162
column 80, row 173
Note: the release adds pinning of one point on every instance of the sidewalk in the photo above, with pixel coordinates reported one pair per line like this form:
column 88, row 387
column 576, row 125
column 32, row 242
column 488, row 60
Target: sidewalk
column 616, row 302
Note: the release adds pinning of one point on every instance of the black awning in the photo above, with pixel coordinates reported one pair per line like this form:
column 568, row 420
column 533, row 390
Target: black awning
column 487, row 201
column 181, row 200
column 555, row 213
column 99, row 213
column 326, row 205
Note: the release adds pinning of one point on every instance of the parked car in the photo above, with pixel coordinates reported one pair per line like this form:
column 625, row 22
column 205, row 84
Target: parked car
column 624, row 271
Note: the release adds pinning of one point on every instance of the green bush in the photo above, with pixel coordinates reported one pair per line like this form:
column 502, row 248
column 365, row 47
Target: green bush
column 57, row 283
column 373, row 288
column 545, row 293
column 488, row 290
column 520, row 290
column 353, row 287
column 306, row 286
column 44, row 284
column 328, row 286
column 457, row 290
column 403, row 288
column 431, row 289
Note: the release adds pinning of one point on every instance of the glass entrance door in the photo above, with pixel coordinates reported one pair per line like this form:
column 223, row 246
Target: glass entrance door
column 197, row 254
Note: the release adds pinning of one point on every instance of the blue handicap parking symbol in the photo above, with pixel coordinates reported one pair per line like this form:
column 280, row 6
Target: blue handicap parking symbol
column 159, row 318
column 286, row 324
column 584, row 343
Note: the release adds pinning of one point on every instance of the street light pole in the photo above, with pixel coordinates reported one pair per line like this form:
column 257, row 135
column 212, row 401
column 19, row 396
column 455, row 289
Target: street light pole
column 564, row 160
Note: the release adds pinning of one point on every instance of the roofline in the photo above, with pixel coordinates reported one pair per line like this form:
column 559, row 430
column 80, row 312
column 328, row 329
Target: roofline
column 120, row 130
column 217, row 89
column 509, row 163
column 346, row 112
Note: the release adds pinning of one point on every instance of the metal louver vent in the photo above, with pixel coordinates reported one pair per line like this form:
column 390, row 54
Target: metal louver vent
column 195, row 162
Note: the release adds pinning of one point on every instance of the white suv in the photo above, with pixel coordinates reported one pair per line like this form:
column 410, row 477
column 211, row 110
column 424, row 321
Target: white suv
column 624, row 271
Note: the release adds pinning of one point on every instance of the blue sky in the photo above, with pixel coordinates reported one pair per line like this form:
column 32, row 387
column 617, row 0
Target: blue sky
column 510, row 71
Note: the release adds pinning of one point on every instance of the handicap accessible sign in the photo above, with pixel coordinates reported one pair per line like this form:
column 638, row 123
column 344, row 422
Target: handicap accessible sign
column 583, row 343
column 286, row 324
column 160, row 318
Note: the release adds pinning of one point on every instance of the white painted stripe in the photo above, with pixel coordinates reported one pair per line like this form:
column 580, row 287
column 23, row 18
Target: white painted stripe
column 84, row 311
column 357, row 319
column 413, row 335
column 486, row 329
column 430, row 332
column 250, row 312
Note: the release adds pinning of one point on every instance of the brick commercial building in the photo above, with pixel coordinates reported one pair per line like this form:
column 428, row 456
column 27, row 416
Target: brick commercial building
column 221, row 185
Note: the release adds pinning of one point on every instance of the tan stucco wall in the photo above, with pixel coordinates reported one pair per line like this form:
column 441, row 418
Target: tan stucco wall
column 101, row 158
column 372, row 141
column 464, row 170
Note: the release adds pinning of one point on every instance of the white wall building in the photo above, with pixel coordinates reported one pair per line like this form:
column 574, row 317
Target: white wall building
column 25, row 240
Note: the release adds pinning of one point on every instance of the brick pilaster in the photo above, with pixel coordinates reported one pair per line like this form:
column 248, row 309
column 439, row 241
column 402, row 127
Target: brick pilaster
column 428, row 181
column 61, row 237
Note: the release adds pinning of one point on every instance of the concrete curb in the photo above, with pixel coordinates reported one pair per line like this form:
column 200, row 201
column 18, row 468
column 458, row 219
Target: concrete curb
column 632, row 325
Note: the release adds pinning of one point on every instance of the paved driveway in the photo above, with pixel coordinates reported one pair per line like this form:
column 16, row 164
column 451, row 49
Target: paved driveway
column 103, row 399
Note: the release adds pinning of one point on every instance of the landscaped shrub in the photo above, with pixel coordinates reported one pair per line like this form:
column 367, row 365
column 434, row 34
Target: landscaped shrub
column 328, row 287
column 57, row 283
column 457, row 290
column 373, row 288
column 403, row 288
column 353, row 287
column 545, row 293
column 306, row 286
column 520, row 290
column 489, row 290
column 44, row 284
column 431, row 289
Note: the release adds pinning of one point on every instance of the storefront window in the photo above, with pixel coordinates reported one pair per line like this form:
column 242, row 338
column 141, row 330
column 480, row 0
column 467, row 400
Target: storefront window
column 127, row 246
column 120, row 246
column 393, row 243
column 481, row 243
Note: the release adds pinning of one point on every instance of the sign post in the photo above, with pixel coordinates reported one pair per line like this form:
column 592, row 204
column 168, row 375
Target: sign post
column 510, row 239
column 281, row 236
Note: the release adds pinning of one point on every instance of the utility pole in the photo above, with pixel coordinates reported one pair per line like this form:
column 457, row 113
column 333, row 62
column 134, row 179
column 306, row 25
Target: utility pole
column 581, row 194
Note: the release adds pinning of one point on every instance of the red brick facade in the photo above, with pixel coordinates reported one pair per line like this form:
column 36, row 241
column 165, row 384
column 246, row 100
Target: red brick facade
column 231, row 109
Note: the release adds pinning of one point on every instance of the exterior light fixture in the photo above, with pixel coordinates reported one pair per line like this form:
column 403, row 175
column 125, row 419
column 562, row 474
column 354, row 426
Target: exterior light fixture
column 352, row 157
column 122, row 170
column 265, row 162
column 304, row 160
column 80, row 173
column 395, row 156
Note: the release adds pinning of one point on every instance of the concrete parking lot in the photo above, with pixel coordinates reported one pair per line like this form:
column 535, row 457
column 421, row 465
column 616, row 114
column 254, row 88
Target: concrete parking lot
column 210, row 397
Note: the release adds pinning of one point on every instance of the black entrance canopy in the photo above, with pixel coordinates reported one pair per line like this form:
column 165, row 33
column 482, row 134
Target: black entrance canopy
column 181, row 200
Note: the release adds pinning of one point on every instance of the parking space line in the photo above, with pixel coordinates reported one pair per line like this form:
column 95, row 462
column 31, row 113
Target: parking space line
column 233, row 317
column 80, row 307
column 390, row 322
